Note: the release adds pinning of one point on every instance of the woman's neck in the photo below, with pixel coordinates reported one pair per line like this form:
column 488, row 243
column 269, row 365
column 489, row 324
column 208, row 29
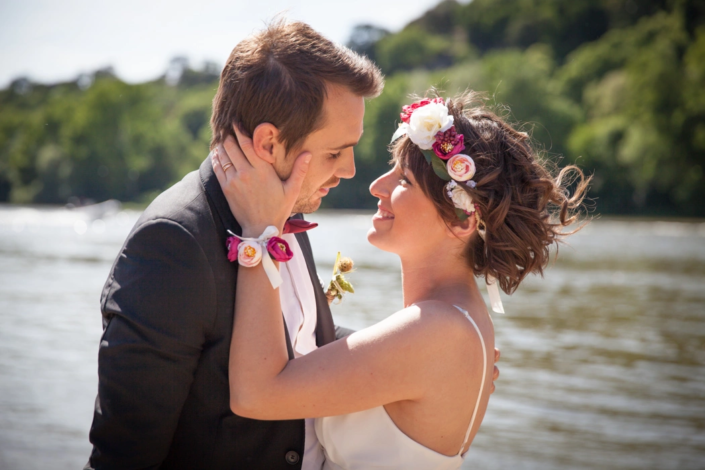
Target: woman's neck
column 437, row 277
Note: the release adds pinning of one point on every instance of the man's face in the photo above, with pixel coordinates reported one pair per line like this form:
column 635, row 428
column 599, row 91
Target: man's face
column 331, row 147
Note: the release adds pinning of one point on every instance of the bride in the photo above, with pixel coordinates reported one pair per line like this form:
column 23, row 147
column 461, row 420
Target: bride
column 467, row 198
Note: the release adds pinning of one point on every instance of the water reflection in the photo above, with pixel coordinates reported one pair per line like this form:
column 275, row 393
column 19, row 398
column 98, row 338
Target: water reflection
column 603, row 361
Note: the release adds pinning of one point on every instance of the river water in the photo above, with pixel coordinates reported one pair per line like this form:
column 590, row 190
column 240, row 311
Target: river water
column 603, row 360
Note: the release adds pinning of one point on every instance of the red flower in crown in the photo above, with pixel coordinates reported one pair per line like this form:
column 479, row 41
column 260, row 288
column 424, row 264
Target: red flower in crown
column 407, row 110
column 448, row 144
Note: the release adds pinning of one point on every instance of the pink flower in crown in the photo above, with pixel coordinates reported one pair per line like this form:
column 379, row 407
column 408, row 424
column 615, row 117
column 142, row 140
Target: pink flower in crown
column 448, row 143
column 279, row 249
column 408, row 110
column 461, row 167
column 249, row 254
column 232, row 244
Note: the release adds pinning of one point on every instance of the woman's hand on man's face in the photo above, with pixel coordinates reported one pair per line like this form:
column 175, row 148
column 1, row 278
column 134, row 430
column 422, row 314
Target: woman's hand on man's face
column 255, row 194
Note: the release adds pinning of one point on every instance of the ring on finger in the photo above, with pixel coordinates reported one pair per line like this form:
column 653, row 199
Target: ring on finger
column 226, row 166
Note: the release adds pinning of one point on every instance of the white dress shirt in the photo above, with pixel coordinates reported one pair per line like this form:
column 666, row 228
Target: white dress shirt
column 298, row 304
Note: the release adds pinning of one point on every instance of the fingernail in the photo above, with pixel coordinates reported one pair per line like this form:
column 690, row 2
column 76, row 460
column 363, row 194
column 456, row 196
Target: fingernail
column 307, row 158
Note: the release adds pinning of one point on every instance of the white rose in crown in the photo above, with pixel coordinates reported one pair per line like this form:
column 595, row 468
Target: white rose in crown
column 461, row 199
column 426, row 122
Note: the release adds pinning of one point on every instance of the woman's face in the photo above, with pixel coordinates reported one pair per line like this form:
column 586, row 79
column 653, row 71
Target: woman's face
column 406, row 222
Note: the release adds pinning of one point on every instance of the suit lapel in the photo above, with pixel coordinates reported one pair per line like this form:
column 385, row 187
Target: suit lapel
column 217, row 201
column 225, row 220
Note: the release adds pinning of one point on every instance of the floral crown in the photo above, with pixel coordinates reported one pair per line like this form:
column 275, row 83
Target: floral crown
column 429, row 125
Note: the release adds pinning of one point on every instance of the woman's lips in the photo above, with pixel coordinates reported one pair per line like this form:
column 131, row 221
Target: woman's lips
column 383, row 215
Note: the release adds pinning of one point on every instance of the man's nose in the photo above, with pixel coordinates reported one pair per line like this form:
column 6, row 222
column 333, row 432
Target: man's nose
column 347, row 166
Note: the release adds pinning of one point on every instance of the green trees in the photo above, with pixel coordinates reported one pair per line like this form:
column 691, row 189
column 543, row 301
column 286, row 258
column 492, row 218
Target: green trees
column 617, row 86
column 104, row 139
column 641, row 90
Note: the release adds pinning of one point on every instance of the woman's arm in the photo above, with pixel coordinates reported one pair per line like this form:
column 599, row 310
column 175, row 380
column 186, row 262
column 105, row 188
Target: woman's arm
column 382, row 364
column 388, row 362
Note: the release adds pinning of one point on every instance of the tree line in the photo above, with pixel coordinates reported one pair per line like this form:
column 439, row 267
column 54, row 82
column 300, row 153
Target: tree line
column 616, row 86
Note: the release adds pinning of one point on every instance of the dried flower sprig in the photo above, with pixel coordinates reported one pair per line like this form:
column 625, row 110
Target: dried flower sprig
column 338, row 285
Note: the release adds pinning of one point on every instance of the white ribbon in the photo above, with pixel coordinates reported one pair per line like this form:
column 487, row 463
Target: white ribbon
column 493, row 291
column 272, row 272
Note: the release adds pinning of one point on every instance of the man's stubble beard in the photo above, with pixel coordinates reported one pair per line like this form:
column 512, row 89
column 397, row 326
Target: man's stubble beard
column 307, row 205
column 311, row 203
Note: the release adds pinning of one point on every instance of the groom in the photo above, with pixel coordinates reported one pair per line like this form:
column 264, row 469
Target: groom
column 163, row 397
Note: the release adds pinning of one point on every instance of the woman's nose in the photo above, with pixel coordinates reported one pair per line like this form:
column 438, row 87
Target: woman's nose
column 380, row 187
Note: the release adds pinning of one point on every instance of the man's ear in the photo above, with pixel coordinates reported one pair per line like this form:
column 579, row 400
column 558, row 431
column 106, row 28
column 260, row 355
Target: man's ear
column 463, row 229
column 265, row 141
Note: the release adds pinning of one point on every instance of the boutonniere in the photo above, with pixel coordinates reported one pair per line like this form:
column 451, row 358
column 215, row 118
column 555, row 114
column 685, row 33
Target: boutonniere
column 338, row 285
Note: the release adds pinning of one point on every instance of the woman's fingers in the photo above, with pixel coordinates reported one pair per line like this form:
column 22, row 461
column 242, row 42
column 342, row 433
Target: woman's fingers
column 218, row 167
column 292, row 186
column 247, row 148
column 495, row 376
column 495, row 372
column 232, row 152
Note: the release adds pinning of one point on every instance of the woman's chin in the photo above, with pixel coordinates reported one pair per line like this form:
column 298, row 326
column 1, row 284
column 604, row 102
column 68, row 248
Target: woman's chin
column 378, row 239
column 373, row 236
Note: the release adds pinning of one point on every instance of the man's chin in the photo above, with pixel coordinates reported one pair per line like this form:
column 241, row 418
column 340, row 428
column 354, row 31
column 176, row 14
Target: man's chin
column 312, row 204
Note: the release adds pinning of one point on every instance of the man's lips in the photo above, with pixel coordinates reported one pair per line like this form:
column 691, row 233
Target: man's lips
column 325, row 189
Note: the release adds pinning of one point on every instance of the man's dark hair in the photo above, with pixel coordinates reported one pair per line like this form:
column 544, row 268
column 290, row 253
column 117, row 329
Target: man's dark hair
column 280, row 75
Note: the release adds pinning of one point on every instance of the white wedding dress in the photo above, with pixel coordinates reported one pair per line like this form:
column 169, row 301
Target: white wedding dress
column 369, row 439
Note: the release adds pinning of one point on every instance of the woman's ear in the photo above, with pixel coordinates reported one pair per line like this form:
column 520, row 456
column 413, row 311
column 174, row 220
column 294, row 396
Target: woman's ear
column 265, row 141
column 463, row 228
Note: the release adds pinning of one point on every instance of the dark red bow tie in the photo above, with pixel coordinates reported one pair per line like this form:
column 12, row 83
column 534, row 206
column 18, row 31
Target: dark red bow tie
column 298, row 226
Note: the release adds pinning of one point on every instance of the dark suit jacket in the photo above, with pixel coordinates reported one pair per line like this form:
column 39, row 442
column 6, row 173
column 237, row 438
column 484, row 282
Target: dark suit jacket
column 163, row 396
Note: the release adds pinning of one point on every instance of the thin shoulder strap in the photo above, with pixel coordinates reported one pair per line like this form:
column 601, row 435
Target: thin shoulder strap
column 482, row 383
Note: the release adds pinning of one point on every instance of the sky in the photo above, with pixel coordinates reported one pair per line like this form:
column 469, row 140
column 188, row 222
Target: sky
column 50, row 40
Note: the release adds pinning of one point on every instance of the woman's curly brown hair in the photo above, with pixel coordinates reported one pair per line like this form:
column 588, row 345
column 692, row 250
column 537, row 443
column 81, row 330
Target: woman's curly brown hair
column 523, row 205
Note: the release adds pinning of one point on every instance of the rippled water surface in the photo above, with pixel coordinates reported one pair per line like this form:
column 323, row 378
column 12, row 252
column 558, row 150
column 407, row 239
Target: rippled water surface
column 603, row 360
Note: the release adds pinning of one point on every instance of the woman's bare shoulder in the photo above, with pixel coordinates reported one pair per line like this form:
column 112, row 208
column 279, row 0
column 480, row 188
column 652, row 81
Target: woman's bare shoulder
column 430, row 320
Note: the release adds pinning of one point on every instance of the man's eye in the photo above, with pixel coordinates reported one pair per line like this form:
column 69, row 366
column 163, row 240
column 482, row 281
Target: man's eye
column 335, row 155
